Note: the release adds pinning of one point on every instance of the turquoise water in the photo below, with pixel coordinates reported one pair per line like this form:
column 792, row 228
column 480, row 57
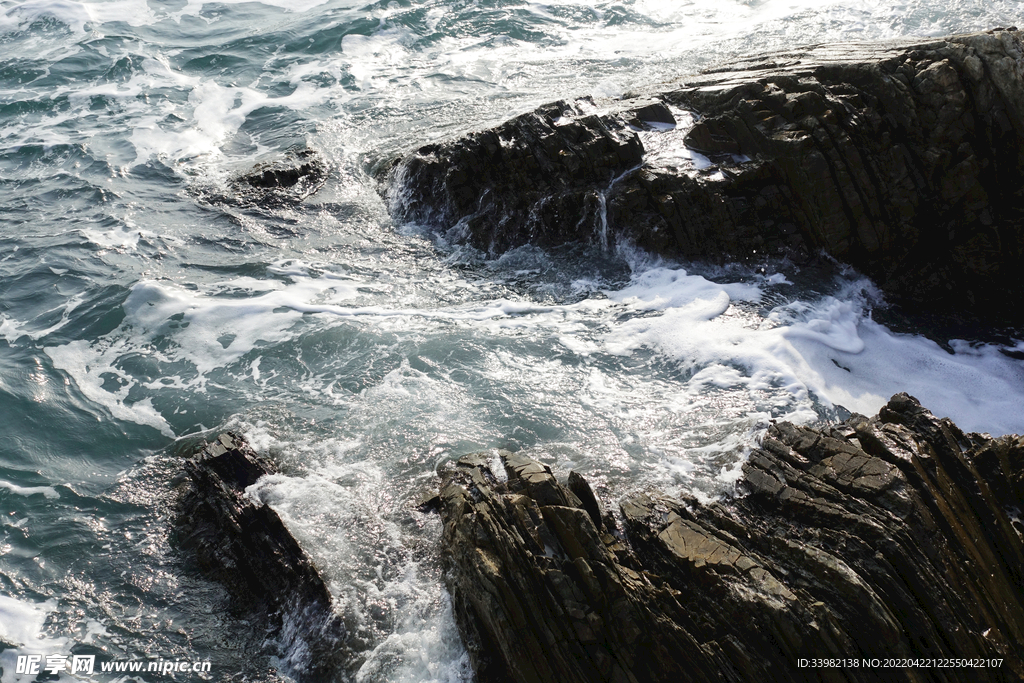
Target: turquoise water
column 141, row 308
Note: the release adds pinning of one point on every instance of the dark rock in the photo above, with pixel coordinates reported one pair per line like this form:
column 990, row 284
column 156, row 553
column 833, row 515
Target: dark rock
column 243, row 544
column 579, row 486
column 532, row 179
column 881, row 538
column 902, row 159
column 655, row 112
column 285, row 181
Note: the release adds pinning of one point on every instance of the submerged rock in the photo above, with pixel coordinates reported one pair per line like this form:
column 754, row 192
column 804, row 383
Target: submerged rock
column 874, row 542
column 242, row 543
column 904, row 159
column 288, row 180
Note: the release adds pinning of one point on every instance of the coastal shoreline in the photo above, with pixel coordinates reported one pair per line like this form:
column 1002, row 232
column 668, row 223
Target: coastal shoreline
column 903, row 159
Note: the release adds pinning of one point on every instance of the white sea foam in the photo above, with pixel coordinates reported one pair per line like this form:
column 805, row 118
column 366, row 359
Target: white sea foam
column 77, row 15
column 803, row 354
column 46, row 491
column 217, row 112
column 125, row 103
column 74, row 15
column 131, row 12
column 829, row 350
column 425, row 646
column 347, row 512
column 124, row 237
column 90, row 366
column 377, row 55
column 22, row 625
column 980, row 388
column 12, row 330
column 22, row 622
column 195, row 7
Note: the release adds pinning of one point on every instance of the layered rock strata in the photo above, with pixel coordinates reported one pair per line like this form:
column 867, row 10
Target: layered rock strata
column 902, row 159
column 242, row 543
column 880, row 542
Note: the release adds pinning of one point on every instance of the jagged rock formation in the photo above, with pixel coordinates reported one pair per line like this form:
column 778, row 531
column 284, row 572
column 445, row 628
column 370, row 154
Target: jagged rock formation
column 243, row 544
column 902, row 159
column 891, row 538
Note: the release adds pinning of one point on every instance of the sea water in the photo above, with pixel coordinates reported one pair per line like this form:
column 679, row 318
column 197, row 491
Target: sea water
column 143, row 310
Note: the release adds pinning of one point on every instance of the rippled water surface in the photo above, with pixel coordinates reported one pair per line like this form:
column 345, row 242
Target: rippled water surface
column 142, row 307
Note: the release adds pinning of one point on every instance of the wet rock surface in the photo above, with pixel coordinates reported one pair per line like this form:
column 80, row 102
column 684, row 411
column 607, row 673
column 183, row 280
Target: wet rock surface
column 890, row 538
column 902, row 159
column 284, row 181
column 242, row 543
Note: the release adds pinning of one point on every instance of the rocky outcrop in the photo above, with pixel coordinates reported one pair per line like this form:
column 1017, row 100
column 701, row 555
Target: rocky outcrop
column 281, row 182
column 890, row 546
column 902, row 159
column 242, row 543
